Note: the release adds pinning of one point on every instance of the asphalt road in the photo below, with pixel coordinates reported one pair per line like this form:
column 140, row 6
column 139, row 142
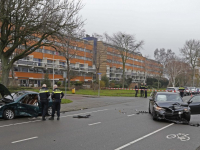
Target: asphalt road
column 112, row 127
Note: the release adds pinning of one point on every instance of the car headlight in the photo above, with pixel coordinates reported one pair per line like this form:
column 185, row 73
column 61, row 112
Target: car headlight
column 159, row 108
column 186, row 109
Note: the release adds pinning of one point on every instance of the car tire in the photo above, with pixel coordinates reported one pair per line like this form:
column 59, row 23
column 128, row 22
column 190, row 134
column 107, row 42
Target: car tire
column 8, row 114
column 49, row 111
column 154, row 115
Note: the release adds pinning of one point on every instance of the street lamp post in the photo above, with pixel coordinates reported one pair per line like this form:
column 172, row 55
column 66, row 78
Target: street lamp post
column 84, row 65
column 53, row 69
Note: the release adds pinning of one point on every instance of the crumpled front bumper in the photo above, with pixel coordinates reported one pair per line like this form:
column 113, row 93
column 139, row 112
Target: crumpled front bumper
column 172, row 116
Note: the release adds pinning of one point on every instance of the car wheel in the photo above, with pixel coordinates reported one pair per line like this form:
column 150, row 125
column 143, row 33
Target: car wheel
column 154, row 115
column 49, row 111
column 9, row 114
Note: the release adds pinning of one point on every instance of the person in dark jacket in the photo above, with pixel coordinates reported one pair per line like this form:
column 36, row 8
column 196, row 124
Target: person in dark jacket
column 136, row 89
column 181, row 90
column 141, row 90
column 145, row 92
column 44, row 99
column 56, row 96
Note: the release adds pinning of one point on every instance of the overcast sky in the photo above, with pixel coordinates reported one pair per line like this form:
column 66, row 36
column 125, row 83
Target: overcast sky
column 160, row 23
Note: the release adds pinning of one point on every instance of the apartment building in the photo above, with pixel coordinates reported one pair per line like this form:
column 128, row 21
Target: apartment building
column 30, row 70
column 90, row 53
column 137, row 67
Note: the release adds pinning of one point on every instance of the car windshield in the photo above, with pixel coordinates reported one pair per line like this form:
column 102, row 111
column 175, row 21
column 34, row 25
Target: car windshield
column 14, row 95
column 168, row 97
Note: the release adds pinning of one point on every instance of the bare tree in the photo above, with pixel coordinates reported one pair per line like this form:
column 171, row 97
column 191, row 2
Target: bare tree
column 191, row 52
column 126, row 44
column 174, row 67
column 163, row 58
column 69, row 51
column 31, row 25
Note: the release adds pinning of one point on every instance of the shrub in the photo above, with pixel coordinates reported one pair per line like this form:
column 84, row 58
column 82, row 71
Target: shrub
column 117, row 86
column 106, row 80
column 58, row 83
column 112, row 84
column 78, row 83
column 102, row 83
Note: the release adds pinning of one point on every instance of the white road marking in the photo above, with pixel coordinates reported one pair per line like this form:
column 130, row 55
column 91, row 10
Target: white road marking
column 128, row 144
column 130, row 115
column 18, row 123
column 8, row 125
column 94, row 123
column 25, row 139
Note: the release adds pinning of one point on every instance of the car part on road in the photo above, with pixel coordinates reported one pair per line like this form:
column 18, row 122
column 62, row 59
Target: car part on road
column 141, row 111
column 82, row 116
column 195, row 125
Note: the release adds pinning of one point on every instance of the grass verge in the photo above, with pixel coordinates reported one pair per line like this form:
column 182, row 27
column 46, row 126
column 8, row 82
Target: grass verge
column 65, row 101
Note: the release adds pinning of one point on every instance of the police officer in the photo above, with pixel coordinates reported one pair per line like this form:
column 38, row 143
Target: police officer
column 181, row 90
column 44, row 95
column 141, row 90
column 145, row 88
column 56, row 96
column 136, row 89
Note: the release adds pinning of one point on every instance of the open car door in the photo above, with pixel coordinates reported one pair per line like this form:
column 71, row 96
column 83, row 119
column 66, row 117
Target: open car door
column 194, row 104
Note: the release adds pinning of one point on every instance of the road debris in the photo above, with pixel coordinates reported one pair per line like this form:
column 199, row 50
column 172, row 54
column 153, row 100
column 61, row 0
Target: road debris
column 82, row 116
column 140, row 112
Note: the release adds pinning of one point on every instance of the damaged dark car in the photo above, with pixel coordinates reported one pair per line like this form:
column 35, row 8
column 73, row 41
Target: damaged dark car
column 169, row 106
column 22, row 103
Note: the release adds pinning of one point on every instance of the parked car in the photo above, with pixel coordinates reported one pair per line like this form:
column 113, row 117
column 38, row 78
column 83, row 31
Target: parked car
column 193, row 90
column 169, row 106
column 194, row 104
column 22, row 103
column 172, row 89
column 187, row 91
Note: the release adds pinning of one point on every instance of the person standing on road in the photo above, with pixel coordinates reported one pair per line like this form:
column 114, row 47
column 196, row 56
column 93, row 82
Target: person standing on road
column 145, row 88
column 141, row 90
column 181, row 90
column 44, row 99
column 56, row 96
column 136, row 89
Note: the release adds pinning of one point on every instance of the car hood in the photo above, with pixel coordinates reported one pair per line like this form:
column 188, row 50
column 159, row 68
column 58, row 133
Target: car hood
column 169, row 104
column 4, row 91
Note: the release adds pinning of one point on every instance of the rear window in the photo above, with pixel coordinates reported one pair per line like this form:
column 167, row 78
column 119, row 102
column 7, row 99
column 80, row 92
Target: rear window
column 170, row 89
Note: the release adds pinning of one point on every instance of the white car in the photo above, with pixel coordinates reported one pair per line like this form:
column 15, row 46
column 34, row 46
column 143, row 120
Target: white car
column 193, row 90
column 173, row 89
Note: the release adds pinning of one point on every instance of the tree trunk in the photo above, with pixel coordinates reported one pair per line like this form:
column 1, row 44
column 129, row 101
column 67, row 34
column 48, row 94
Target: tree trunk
column 68, row 77
column 68, row 74
column 123, row 75
column 193, row 77
column 5, row 71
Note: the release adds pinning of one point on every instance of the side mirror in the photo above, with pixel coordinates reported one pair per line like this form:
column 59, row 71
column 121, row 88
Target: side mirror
column 151, row 99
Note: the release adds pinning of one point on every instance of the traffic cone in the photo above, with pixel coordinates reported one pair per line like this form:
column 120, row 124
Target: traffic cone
column 191, row 95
